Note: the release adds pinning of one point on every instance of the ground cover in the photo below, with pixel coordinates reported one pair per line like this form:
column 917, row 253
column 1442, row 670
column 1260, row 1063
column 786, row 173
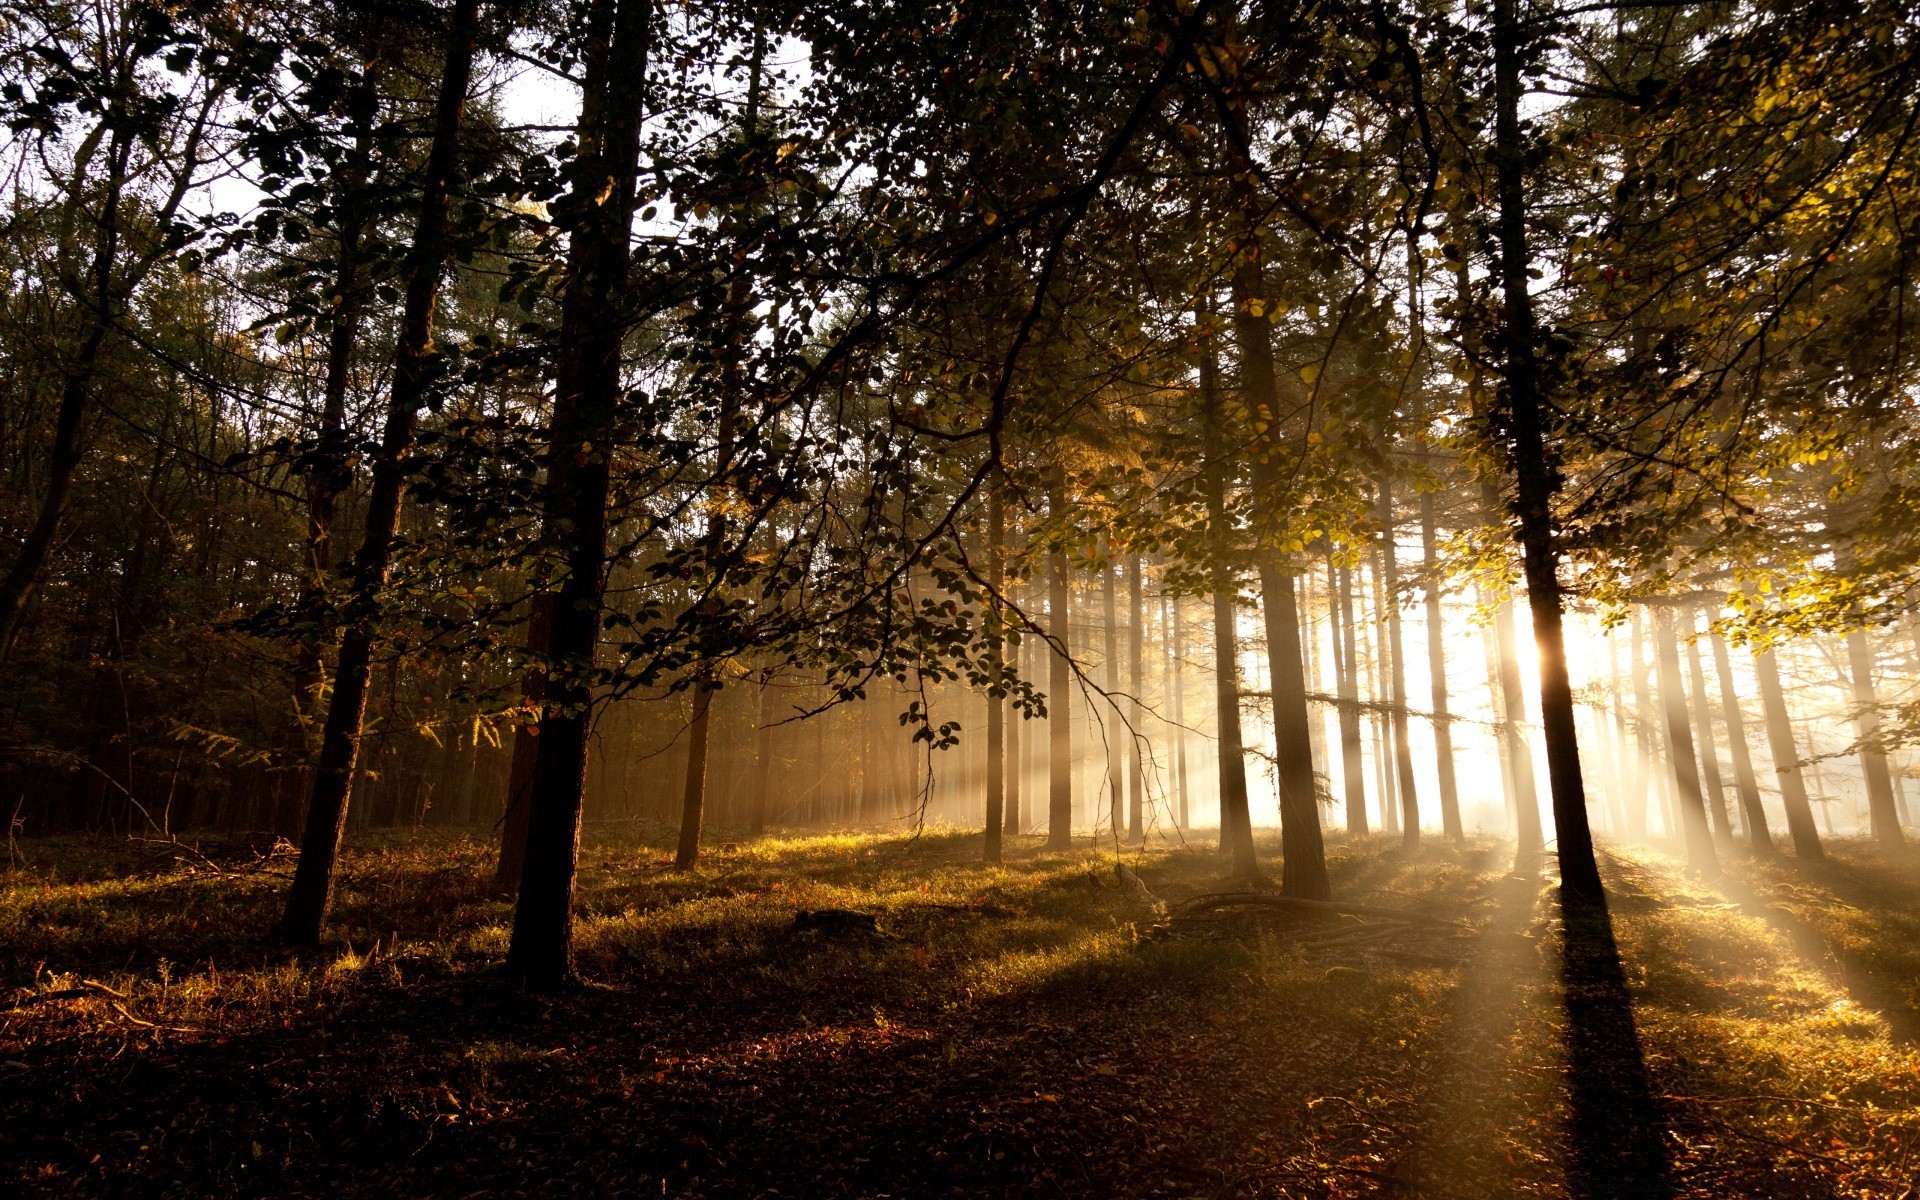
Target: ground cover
column 1036, row 1030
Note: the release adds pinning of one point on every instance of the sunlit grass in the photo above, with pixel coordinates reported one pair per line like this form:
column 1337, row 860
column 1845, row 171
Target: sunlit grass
column 1769, row 1004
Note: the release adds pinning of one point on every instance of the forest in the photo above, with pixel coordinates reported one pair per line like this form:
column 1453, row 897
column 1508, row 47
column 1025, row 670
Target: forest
column 864, row 598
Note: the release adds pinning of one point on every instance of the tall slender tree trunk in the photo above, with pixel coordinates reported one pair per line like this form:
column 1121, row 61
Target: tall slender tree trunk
column 1136, row 671
column 1693, row 810
column 1177, row 677
column 1528, row 834
column 996, row 677
column 1631, row 761
column 1745, row 782
column 762, row 799
column 600, row 213
column 1113, row 723
column 1882, row 813
column 1396, row 652
column 1534, row 485
column 1381, row 689
column 1716, row 797
column 1013, row 823
column 311, row 896
column 1652, row 747
column 1236, row 817
column 1450, row 821
column 1059, row 684
column 1347, row 677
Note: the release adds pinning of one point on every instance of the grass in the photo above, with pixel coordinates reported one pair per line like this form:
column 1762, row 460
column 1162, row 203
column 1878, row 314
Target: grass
column 1022, row 1031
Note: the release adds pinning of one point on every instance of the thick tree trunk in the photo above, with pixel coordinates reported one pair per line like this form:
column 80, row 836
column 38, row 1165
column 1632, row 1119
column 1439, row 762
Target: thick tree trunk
column 1693, row 810
column 1716, row 796
column 1396, row 652
column 1346, row 670
column 1303, row 868
column 1450, row 821
column 1534, row 484
column 1136, row 671
column 1745, row 782
column 996, row 678
column 1236, row 818
column 1059, row 686
column 586, row 406
column 311, row 896
column 526, row 750
column 1882, row 813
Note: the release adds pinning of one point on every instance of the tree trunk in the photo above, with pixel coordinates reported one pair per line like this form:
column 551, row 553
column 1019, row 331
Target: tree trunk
column 1631, row 761
column 1450, row 821
column 1693, row 811
column 1534, row 474
column 1531, row 839
column 1136, row 647
column 996, row 677
column 1059, row 685
column 1303, row 854
column 1402, row 748
column 1177, row 674
column 1883, row 815
column 1236, row 818
column 526, row 750
column 311, row 896
column 586, row 406
column 1745, row 782
column 763, row 763
column 1716, row 797
column 1386, row 774
column 1113, row 724
column 1346, row 670
column 693, row 797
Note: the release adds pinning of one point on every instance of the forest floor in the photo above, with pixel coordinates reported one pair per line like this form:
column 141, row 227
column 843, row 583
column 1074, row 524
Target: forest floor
column 1028, row 1031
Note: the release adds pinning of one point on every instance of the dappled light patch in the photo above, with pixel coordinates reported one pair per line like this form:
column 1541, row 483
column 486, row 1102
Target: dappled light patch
column 1004, row 1028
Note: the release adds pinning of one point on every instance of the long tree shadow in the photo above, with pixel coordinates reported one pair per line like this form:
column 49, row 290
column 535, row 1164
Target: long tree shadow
column 1616, row 1130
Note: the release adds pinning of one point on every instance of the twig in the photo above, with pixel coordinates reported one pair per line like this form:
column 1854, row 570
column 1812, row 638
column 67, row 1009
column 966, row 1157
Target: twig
column 145, row 1024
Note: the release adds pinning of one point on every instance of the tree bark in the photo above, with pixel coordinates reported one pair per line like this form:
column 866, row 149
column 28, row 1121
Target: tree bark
column 1693, row 811
column 1882, row 814
column 1346, row 670
column 1136, row 647
column 693, row 796
column 1745, row 782
column 1113, row 725
column 586, row 407
column 1059, row 684
column 1528, row 833
column 1236, row 818
column 1303, row 853
column 762, row 800
column 311, row 896
column 1178, row 682
column 996, row 677
column 526, row 750
column 1396, row 652
column 1534, row 479
column 1450, row 821
column 1716, row 797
